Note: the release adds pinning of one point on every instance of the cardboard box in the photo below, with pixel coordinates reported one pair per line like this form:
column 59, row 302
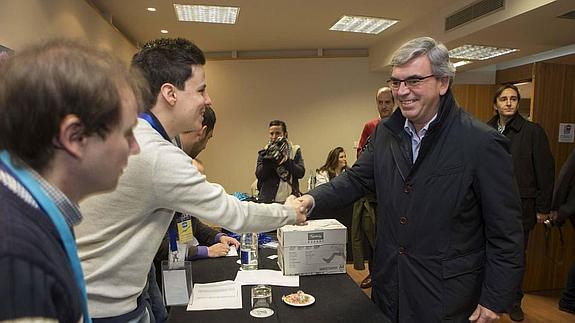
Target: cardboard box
column 315, row 248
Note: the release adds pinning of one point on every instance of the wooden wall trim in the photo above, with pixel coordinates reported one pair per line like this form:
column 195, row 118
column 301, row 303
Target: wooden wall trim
column 523, row 73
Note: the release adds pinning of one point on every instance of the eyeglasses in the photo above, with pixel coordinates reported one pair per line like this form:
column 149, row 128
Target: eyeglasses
column 411, row 82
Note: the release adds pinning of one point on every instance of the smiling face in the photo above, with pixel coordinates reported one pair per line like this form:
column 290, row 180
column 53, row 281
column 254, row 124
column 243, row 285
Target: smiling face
column 192, row 101
column 420, row 103
column 507, row 103
column 342, row 160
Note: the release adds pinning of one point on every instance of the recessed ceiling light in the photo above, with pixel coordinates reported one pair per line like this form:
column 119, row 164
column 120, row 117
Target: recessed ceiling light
column 461, row 63
column 479, row 52
column 359, row 24
column 151, row 9
column 211, row 14
column 163, row 31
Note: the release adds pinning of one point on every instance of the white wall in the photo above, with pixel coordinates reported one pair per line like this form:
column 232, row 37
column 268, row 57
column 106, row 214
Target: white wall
column 325, row 103
column 23, row 22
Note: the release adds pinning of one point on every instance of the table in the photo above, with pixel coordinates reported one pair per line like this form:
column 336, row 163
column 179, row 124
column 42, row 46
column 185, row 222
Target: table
column 337, row 297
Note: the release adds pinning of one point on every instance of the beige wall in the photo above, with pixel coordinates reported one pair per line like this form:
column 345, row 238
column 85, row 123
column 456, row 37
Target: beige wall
column 23, row 22
column 325, row 103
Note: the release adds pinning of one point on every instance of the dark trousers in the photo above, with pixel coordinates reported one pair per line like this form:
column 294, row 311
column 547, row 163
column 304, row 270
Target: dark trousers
column 519, row 292
column 568, row 298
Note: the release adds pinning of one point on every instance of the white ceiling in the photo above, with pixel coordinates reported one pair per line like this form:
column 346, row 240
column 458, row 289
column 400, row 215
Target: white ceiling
column 277, row 26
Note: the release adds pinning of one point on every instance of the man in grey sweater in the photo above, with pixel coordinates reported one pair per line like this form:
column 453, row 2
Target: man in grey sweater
column 123, row 229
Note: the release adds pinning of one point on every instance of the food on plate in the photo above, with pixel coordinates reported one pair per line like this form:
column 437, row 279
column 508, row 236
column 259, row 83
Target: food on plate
column 299, row 298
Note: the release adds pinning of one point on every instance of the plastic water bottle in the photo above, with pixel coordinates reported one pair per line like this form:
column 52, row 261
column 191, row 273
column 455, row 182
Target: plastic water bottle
column 311, row 182
column 249, row 251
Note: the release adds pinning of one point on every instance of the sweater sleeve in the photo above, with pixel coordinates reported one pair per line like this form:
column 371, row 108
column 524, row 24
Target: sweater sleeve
column 179, row 186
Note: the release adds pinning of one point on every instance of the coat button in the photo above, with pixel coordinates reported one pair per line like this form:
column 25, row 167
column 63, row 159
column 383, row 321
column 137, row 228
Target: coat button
column 407, row 188
column 401, row 250
column 403, row 220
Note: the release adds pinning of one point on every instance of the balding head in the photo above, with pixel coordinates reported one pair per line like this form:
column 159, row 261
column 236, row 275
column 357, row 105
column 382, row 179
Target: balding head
column 385, row 103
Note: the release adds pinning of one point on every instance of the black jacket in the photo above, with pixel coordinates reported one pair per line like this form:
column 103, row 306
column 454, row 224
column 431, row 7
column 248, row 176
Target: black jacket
column 533, row 164
column 448, row 229
column 268, row 179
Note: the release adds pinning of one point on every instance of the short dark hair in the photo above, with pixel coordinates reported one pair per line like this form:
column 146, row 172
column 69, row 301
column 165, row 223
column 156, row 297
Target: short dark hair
column 209, row 119
column 503, row 88
column 278, row 123
column 167, row 60
column 41, row 85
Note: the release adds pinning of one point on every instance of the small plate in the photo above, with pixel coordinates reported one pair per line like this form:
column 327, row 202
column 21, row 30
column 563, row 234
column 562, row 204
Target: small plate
column 309, row 300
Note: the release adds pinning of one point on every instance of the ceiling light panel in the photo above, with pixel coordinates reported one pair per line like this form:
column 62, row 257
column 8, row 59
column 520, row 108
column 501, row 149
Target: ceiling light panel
column 359, row 24
column 479, row 52
column 461, row 63
column 211, row 14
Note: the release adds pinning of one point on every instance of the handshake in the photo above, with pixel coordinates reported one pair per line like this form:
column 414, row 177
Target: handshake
column 301, row 205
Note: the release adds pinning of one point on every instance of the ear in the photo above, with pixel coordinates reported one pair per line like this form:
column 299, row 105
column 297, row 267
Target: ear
column 443, row 85
column 202, row 132
column 71, row 136
column 168, row 92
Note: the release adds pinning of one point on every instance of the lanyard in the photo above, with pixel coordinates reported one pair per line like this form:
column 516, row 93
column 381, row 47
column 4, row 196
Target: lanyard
column 157, row 125
column 50, row 208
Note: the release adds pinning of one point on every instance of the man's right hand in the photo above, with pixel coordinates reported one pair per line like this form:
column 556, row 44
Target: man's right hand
column 295, row 203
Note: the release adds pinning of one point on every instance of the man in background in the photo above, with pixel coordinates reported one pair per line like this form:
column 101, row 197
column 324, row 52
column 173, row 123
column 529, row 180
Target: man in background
column 66, row 118
column 385, row 105
column 279, row 166
column 533, row 165
column 194, row 142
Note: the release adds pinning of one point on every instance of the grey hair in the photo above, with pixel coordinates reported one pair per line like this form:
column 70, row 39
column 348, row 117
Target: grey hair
column 435, row 51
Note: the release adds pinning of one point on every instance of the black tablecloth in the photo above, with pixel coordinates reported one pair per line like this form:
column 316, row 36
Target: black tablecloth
column 337, row 297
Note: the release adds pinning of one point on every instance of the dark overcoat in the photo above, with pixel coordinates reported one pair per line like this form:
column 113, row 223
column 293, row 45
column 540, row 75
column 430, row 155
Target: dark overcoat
column 449, row 234
column 533, row 165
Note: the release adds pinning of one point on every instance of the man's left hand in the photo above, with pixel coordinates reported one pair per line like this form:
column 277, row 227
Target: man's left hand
column 483, row 315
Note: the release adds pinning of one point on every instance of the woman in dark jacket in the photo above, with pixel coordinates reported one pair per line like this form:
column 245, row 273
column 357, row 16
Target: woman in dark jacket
column 533, row 164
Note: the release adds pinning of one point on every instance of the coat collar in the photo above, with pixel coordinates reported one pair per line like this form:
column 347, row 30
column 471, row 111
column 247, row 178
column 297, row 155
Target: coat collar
column 447, row 105
column 516, row 123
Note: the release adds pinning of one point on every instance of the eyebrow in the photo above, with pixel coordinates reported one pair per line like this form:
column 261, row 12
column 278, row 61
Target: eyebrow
column 407, row 78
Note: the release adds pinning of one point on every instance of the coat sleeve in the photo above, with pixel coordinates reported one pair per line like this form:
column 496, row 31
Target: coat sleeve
column 350, row 185
column 264, row 167
column 204, row 233
column 296, row 166
column 497, row 191
column 544, row 166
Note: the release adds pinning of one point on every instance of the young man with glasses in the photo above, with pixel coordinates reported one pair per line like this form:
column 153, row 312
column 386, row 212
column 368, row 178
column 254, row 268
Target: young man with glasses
column 449, row 237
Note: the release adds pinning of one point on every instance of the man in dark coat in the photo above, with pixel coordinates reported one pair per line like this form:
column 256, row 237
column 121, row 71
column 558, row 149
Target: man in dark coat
column 449, row 237
column 563, row 208
column 533, row 165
